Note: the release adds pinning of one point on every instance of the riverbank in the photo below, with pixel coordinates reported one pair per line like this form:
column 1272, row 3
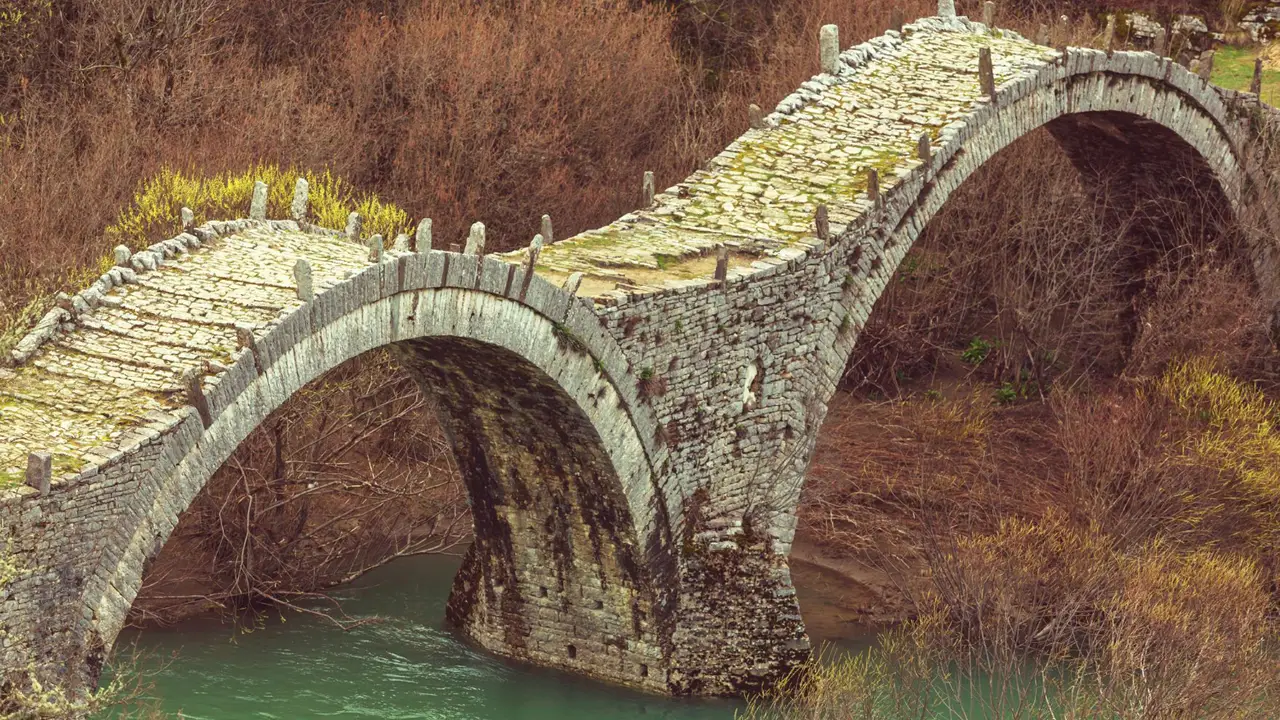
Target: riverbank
column 845, row 601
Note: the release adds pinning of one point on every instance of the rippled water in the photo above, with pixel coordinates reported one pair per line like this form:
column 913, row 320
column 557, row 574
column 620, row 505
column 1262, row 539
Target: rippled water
column 406, row 667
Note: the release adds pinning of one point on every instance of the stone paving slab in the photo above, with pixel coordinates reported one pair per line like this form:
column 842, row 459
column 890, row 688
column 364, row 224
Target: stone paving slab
column 217, row 340
column 125, row 359
column 759, row 195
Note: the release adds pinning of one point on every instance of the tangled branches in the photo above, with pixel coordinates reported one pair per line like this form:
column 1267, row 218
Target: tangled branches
column 351, row 474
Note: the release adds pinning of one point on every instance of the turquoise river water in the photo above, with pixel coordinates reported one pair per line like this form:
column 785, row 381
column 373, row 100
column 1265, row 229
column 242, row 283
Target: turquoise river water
column 408, row 666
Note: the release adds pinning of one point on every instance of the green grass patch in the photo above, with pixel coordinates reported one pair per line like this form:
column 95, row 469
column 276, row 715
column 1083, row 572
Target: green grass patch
column 1233, row 69
column 666, row 262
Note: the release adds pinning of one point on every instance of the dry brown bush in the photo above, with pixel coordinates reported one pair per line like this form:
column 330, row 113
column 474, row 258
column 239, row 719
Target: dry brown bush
column 1038, row 273
column 1149, row 632
column 352, row 473
column 1124, row 568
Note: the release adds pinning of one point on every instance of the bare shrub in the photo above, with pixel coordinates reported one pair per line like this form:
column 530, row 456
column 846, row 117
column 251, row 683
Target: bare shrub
column 1150, row 632
column 352, row 473
column 1039, row 274
column 894, row 680
column 1130, row 572
column 1214, row 311
column 893, row 454
column 1061, row 283
column 1190, row 639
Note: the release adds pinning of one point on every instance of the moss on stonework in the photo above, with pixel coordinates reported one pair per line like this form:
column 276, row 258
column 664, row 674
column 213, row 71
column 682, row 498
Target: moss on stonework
column 665, row 261
column 62, row 465
column 567, row 340
column 29, row 397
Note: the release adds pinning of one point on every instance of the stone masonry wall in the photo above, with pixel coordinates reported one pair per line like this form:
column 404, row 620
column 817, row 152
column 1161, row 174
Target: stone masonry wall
column 555, row 575
column 740, row 373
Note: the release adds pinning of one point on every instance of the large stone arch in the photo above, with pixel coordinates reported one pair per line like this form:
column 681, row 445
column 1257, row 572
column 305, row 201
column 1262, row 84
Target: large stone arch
column 1111, row 112
column 570, row 533
column 1146, row 125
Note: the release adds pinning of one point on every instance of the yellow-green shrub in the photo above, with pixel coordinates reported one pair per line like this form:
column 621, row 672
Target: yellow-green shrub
column 1238, row 426
column 156, row 206
column 1187, row 636
column 19, row 21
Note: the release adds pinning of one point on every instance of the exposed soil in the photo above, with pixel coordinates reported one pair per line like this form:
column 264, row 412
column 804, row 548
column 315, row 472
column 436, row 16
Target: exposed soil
column 843, row 599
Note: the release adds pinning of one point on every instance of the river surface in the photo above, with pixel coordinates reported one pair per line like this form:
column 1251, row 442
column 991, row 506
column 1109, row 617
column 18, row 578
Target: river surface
column 408, row 666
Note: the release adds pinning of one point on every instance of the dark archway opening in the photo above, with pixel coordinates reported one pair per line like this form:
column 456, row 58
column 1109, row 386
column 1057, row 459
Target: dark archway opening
column 555, row 574
column 437, row 444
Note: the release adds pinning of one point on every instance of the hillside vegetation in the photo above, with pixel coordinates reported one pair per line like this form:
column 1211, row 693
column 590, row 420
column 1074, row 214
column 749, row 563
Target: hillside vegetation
column 1058, row 440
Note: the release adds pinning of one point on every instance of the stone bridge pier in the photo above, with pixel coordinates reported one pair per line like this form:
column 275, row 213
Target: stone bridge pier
column 633, row 408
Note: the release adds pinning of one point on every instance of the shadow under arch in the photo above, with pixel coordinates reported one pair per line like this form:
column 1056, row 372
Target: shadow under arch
column 553, row 537
column 1146, row 169
column 567, row 534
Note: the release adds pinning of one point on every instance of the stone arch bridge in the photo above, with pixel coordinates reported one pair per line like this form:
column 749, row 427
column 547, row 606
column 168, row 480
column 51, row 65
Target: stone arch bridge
column 633, row 408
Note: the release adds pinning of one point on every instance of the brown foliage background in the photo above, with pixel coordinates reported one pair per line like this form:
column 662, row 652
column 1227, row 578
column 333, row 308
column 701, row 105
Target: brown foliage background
column 451, row 109
column 463, row 110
